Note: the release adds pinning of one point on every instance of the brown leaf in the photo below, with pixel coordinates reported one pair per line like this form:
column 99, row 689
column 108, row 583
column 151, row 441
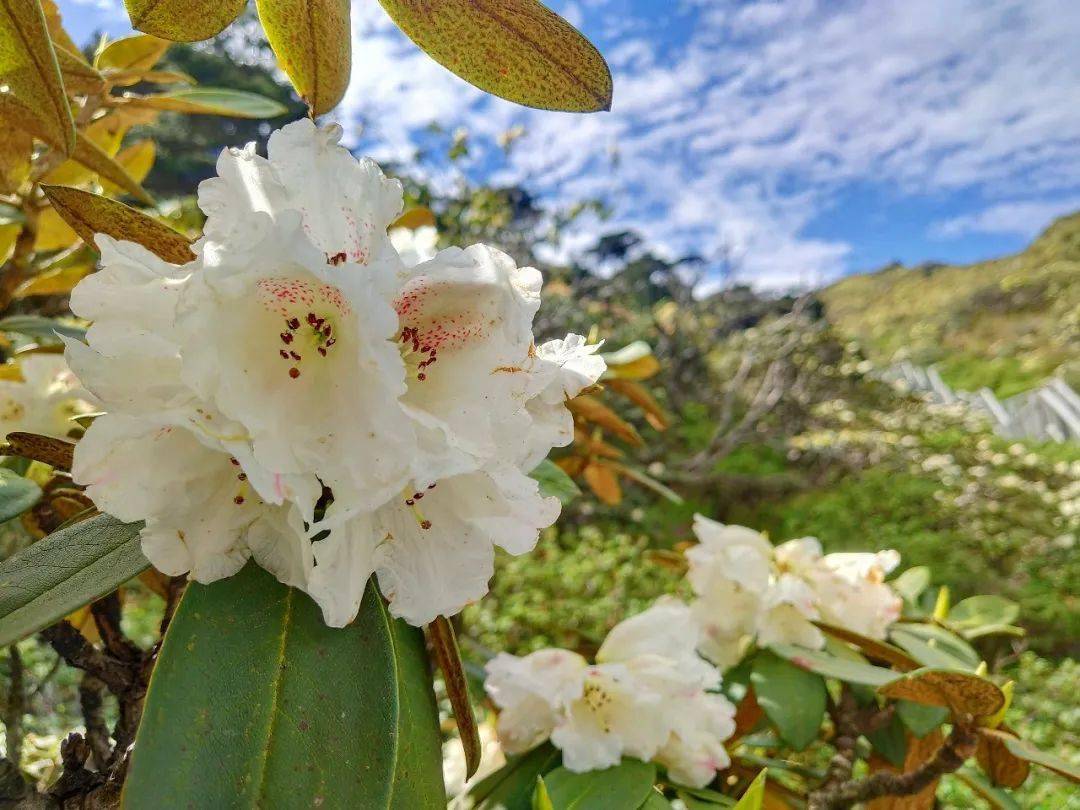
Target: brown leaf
column 593, row 410
column 962, row 693
column 571, row 465
column 90, row 214
column 919, row 751
column 448, row 656
column 31, row 91
column 587, row 445
column 514, row 49
column 875, row 650
column 640, row 396
column 313, row 43
column 747, row 714
column 156, row 581
column 57, row 453
column 1000, row 764
column 604, row 483
column 79, row 78
column 183, row 20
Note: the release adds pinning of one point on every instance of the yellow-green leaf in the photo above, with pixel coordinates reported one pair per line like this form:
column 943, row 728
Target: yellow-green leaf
column 136, row 159
column 414, row 218
column 90, row 214
column 152, row 76
column 93, row 157
column 515, row 49
column 106, row 132
column 313, row 44
column 9, row 232
column 79, row 77
column 183, row 20
column 31, row 90
column 16, row 149
column 60, row 281
column 137, row 52
column 211, row 101
column 53, row 233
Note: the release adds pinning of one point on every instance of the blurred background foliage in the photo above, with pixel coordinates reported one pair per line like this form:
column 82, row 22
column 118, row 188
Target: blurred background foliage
column 775, row 419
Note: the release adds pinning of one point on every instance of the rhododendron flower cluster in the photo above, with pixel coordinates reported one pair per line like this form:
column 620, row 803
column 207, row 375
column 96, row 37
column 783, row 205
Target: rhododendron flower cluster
column 44, row 398
column 746, row 589
column 648, row 695
column 306, row 394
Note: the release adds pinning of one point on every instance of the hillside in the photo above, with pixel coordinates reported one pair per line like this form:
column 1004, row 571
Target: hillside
column 1006, row 323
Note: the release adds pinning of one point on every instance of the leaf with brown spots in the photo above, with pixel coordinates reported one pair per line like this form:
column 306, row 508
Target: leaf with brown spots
column 79, row 77
column 16, row 149
column 873, row 649
column 448, row 657
column 91, row 214
column 31, row 90
column 313, row 43
column 960, row 692
column 55, row 452
column 514, row 49
column 183, row 20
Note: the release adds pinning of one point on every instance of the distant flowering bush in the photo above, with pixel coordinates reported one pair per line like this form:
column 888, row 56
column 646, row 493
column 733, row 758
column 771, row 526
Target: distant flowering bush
column 44, row 398
column 361, row 409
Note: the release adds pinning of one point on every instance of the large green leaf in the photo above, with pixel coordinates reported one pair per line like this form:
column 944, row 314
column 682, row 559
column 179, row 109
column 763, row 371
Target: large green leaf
column 17, row 494
column 212, row 101
column 46, row 581
column 832, row 666
column 627, row 784
column 515, row 49
column 31, row 89
column 793, row 698
column 553, row 481
column 255, row 702
column 919, row 719
column 183, row 20
column 935, row 647
column 511, row 787
column 313, row 44
column 979, row 611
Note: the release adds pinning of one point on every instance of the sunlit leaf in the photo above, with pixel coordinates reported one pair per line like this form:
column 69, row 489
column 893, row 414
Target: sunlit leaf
column 979, row 611
column 90, row 214
column 313, row 43
column 831, row 666
column 934, row 646
column 541, row 799
column 593, row 410
column 183, row 20
column 754, row 796
column 31, row 91
column 136, row 52
column 962, row 693
column 635, row 361
column 515, row 49
column 151, row 76
column 875, row 650
column 59, row 281
column 93, row 157
column 106, row 132
column 53, row 233
column 414, row 218
column 55, row 24
column 79, row 77
column 211, row 101
column 655, row 415
column 604, row 483
column 9, row 234
column 16, row 149
column 137, row 159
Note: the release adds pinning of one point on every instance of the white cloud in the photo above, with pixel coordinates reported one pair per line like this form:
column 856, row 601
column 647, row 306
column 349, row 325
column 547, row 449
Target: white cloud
column 742, row 132
column 1023, row 218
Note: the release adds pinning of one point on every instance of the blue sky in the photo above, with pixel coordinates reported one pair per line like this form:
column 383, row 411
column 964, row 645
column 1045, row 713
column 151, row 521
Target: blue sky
column 811, row 138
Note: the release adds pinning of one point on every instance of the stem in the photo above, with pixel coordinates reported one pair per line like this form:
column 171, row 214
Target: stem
column 15, row 707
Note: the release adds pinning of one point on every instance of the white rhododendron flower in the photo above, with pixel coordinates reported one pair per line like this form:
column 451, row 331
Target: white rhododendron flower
column 45, row 401
column 647, row 696
column 327, row 407
column 747, row 590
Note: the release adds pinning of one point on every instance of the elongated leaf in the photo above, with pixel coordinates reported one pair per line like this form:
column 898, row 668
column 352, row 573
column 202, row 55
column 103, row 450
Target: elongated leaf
column 960, row 692
column 831, row 666
column 447, row 655
column 1000, row 764
column 978, row 611
column 17, row 494
column 555, row 482
column 16, row 149
column 313, row 44
column 59, row 36
column 627, row 784
column 137, row 52
column 107, row 132
column 997, row 798
column 754, row 797
column 183, row 20
column 792, row 698
column 79, row 77
column 510, row 787
column 1025, row 750
column 40, row 328
column 90, row 214
column 53, row 233
column 46, row 449
column 932, row 652
column 59, row 281
column 31, row 90
column 255, row 702
column 136, row 159
column 529, row 54
column 45, row 582
column 593, row 410
column 873, row 649
column 211, row 101
column 541, row 800
column 93, row 157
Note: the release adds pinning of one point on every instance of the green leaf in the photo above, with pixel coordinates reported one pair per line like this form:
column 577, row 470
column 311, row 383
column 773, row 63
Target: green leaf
column 555, row 482
column 31, row 90
column 934, row 647
column 978, row 611
column 655, row 801
column 40, row 328
column 211, row 101
column 17, row 494
column 183, row 20
column 996, row 797
column 754, row 797
column 313, row 44
column 255, row 702
column 90, row 214
column 1025, row 750
column 627, row 784
column 911, row 584
column 792, row 698
column 64, row 571
column 529, row 55
column 919, row 719
column 511, row 787
column 832, row 666
column 541, row 800
column 890, row 741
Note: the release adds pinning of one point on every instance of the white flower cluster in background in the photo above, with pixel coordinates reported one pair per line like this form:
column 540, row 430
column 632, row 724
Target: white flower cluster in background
column 648, row 695
column 46, row 399
column 305, row 394
column 748, row 590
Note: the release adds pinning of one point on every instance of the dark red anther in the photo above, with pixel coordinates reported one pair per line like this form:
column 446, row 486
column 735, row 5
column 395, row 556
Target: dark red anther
column 234, row 462
column 312, row 318
column 286, row 337
column 321, row 351
column 425, row 525
column 284, row 354
column 409, row 502
column 295, row 356
column 242, row 477
column 239, row 499
column 294, row 373
column 418, row 495
column 421, row 376
column 293, row 323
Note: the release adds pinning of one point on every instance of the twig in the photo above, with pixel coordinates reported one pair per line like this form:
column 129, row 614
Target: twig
column 15, row 707
column 91, row 694
column 81, row 654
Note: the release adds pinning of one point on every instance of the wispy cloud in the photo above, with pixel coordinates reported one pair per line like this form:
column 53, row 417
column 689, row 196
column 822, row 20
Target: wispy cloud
column 1024, row 218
